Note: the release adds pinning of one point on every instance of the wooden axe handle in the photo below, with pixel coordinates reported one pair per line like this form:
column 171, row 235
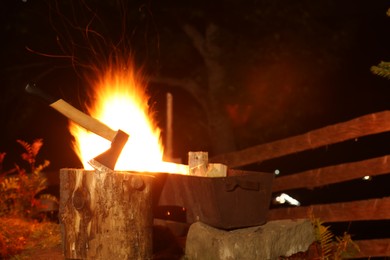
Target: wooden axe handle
column 84, row 120
column 75, row 115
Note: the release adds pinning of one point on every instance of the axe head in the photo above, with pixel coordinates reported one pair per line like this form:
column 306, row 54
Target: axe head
column 106, row 161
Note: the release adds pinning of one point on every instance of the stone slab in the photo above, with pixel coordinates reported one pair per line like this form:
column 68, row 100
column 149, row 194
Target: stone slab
column 269, row 241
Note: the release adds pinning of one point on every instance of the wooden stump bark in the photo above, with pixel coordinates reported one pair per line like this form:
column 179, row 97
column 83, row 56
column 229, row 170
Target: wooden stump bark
column 106, row 215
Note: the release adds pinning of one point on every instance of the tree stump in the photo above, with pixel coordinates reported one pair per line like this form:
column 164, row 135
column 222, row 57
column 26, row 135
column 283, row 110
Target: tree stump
column 106, row 215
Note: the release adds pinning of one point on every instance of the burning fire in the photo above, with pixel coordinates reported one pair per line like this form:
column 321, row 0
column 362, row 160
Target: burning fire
column 120, row 101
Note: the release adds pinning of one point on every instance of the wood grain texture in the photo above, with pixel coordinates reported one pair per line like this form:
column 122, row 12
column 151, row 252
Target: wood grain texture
column 105, row 215
column 373, row 248
column 355, row 128
column 370, row 209
column 333, row 174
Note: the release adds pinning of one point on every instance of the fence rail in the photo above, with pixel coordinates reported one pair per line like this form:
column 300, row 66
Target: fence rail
column 366, row 125
column 373, row 248
column 333, row 174
column 373, row 209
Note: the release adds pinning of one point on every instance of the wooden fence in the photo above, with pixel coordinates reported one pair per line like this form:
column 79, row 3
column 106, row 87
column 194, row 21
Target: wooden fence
column 373, row 209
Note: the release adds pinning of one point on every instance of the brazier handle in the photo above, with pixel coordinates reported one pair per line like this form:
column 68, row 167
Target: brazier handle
column 232, row 183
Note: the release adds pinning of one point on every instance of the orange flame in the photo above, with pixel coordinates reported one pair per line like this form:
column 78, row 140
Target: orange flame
column 120, row 101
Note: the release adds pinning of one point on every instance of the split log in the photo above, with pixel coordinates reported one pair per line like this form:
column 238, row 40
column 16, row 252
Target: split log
column 216, row 170
column 197, row 163
column 106, row 215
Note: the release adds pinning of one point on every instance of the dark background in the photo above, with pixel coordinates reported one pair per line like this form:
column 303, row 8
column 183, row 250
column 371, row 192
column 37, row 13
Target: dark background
column 311, row 69
column 34, row 45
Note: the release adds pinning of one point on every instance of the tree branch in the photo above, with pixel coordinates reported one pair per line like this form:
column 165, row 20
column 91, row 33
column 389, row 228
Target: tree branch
column 197, row 38
column 213, row 50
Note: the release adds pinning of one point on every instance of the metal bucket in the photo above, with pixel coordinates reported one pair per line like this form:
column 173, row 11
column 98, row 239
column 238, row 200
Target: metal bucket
column 241, row 199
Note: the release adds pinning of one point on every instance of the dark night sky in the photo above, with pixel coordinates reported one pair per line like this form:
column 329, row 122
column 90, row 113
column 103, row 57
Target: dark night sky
column 353, row 91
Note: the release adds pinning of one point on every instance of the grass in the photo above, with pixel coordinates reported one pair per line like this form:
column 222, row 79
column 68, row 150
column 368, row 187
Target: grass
column 20, row 238
column 21, row 235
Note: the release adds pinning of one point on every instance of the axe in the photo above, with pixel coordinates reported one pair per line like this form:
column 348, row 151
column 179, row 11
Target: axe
column 105, row 161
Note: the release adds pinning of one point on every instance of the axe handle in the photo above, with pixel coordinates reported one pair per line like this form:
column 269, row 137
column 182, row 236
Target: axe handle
column 83, row 119
column 72, row 113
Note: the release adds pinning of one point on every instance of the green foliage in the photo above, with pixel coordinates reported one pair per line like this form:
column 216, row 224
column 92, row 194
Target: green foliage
column 332, row 247
column 324, row 238
column 19, row 189
column 20, row 237
column 383, row 68
column 345, row 247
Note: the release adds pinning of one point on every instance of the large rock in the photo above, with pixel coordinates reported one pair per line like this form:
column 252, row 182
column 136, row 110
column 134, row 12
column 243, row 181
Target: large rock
column 269, row 241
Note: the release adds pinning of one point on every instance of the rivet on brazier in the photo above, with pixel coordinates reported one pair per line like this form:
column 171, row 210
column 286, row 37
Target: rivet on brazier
column 137, row 182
